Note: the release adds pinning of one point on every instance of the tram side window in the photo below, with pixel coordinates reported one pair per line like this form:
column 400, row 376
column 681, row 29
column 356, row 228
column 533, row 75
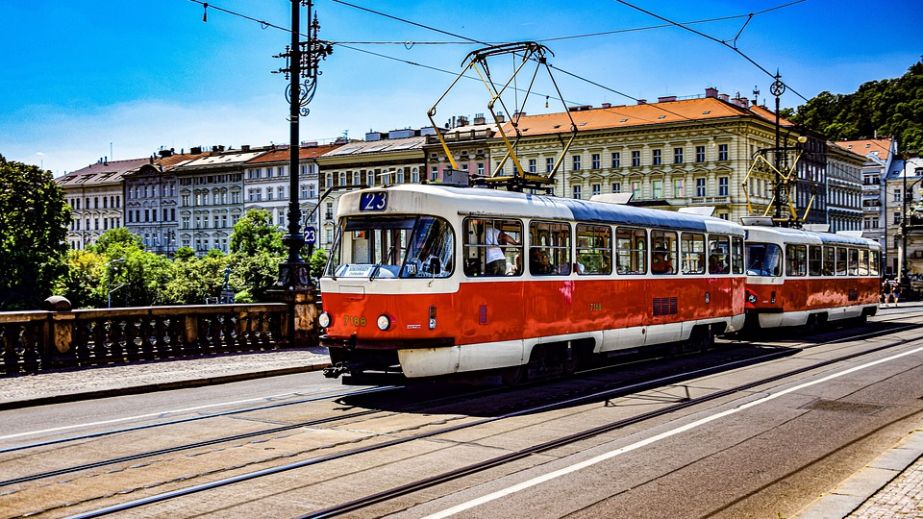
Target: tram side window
column 853, row 262
column 631, row 251
column 841, row 261
column 693, row 250
column 873, row 262
column 737, row 258
column 814, row 260
column 663, row 252
column 719, row 254
column 493, row 247
column 863, row 262
column 549, row 249
column 829, row 261
column 796, row 260
column 594, row 249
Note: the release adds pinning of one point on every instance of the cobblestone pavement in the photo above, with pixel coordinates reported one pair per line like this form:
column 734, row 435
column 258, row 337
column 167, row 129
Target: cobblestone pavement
column 901, row 498
column 68, row 382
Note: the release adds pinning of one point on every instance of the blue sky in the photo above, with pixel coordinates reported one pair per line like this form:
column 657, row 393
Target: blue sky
column 86, row 76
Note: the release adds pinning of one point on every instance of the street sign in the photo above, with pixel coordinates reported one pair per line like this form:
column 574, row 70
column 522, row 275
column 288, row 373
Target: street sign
column 310, row 235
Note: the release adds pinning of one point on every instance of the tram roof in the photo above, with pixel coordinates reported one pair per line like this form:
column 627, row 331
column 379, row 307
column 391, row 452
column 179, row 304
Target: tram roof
column 485, row 201
column 802, row 236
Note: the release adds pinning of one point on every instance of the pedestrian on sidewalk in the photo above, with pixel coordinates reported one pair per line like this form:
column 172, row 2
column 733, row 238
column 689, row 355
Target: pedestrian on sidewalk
column 896, row 292
column 886, row 293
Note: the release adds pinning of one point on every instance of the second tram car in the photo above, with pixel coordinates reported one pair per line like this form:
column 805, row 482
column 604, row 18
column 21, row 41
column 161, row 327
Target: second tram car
column 801, row 278
column 433, row 280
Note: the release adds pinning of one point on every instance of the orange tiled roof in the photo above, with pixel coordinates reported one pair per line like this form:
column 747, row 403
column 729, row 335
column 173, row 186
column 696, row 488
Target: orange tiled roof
column 635, row 115
column 306, row 152
column 866, row 146
column 769, row 115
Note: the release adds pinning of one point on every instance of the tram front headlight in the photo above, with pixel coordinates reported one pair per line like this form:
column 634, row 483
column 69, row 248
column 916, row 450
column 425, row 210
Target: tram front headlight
column 323, row 320
column 384, row 322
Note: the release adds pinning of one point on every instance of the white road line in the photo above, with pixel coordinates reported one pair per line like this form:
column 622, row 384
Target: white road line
column 653, row 439
column 141, row 416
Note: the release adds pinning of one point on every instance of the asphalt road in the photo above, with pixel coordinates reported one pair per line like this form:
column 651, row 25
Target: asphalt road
column 764, row 452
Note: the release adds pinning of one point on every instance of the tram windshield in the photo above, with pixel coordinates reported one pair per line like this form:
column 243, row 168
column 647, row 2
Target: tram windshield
column 392, row 247
column 764, row 259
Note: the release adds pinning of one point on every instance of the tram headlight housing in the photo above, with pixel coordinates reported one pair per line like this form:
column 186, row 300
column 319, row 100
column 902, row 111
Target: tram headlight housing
column 751, row 298
column 384, row 322
column 324, row 320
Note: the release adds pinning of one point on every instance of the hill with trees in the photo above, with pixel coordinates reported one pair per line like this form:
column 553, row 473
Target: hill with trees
column 887, row 107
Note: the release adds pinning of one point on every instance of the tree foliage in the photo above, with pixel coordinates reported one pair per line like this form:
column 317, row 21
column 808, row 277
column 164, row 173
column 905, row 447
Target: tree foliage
column 34, row 220
column 254, row 233
column 889, row 107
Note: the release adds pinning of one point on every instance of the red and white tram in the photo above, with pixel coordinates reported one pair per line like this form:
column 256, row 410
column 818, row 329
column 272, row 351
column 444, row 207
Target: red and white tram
column 798, row 278
column 434, row 280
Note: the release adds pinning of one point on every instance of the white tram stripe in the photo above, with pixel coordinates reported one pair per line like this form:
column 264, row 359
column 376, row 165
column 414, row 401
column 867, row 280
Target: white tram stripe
column 653, row 439
column 142, row 416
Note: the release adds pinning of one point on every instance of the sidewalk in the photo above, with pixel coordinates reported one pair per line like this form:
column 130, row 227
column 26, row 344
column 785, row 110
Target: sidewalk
column 146, row 377
column 889, row 487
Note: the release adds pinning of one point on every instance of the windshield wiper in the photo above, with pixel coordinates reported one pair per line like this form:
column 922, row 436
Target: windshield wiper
column 375, row 269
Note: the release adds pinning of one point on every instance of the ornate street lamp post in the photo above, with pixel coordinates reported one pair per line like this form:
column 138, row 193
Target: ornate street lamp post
column 302, row 58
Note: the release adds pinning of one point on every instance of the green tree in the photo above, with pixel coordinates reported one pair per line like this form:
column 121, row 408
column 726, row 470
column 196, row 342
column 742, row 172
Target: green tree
column 34, row 220
column 892, row 107
column 254, row 275
column 117, row 238
column 318, row 261
column 184, row 253
column 255, row 233
column 82, row 283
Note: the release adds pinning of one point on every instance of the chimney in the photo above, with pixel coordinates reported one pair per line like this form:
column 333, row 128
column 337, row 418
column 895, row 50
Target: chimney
column 480, row 119
column 724, row 97
column 666, row 99
column 501, row 118
column 165, row 153
column 742, row 102
column 517, row 115
column 606, row 105
column 462, row 120
column 642, row 101
column 197, row 150
column 244, row 147
column 711, row 92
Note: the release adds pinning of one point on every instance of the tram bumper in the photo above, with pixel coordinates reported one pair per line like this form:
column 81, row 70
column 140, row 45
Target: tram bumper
column 355, row 356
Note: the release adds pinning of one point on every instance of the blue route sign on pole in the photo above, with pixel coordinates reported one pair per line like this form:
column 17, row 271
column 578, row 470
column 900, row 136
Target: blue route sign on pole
column 310, row 235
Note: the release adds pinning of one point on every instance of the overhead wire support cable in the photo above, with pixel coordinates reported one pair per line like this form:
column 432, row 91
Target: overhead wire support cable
column 712, row 38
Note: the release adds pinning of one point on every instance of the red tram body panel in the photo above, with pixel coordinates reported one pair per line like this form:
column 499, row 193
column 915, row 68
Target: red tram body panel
column 433, row 280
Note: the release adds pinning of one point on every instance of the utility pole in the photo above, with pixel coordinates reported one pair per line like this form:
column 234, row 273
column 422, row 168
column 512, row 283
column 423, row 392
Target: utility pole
column 302, row 60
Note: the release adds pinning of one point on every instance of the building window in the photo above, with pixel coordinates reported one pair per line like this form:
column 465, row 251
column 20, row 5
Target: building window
column 549, row 165
column 616, row 187
column 576, row 159
column 400, row 176
column 723, row 186
column 722, row 152
column 356, row 179
column 656, row 157
column 328, row 180
column 677, row 155
column 415, row 174
column 636, row 189
column 597, row 189
column 329, row 211
column 657, row 189
column 897, row 195
column 533, row 166
column 679, row 188
column 481, row 168
column 897, row 219
column 577, row 192
column 635, row 158
column 303, row 191
column 700, row 153
column 434, row 173
column 700, row 187
column 595, row 160
column 616, row 160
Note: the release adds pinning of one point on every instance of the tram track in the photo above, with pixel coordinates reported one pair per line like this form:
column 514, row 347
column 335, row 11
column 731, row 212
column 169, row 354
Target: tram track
column 435, row 480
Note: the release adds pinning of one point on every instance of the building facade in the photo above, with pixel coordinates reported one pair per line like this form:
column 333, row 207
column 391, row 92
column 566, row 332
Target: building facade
column 151, row 201
column 267, row 182
column 879, row 155
column 903, row 192
column 380, row 160
column 96, row 196
column 844, row 189
column 211, row 193
column 671, row 154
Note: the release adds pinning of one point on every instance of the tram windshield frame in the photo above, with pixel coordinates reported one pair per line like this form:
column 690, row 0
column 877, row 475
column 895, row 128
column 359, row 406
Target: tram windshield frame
column 388, row 247
column 764, row 259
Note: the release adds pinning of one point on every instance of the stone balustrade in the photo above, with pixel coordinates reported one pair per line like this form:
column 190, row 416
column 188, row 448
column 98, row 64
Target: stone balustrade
column 40, row 340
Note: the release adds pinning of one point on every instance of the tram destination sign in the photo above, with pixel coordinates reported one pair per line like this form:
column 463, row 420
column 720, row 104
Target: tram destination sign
column 375, row 201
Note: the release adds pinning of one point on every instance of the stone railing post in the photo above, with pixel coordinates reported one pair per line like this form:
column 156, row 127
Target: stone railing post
column 191, row 332
column 58, row 344
column 306, row 313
